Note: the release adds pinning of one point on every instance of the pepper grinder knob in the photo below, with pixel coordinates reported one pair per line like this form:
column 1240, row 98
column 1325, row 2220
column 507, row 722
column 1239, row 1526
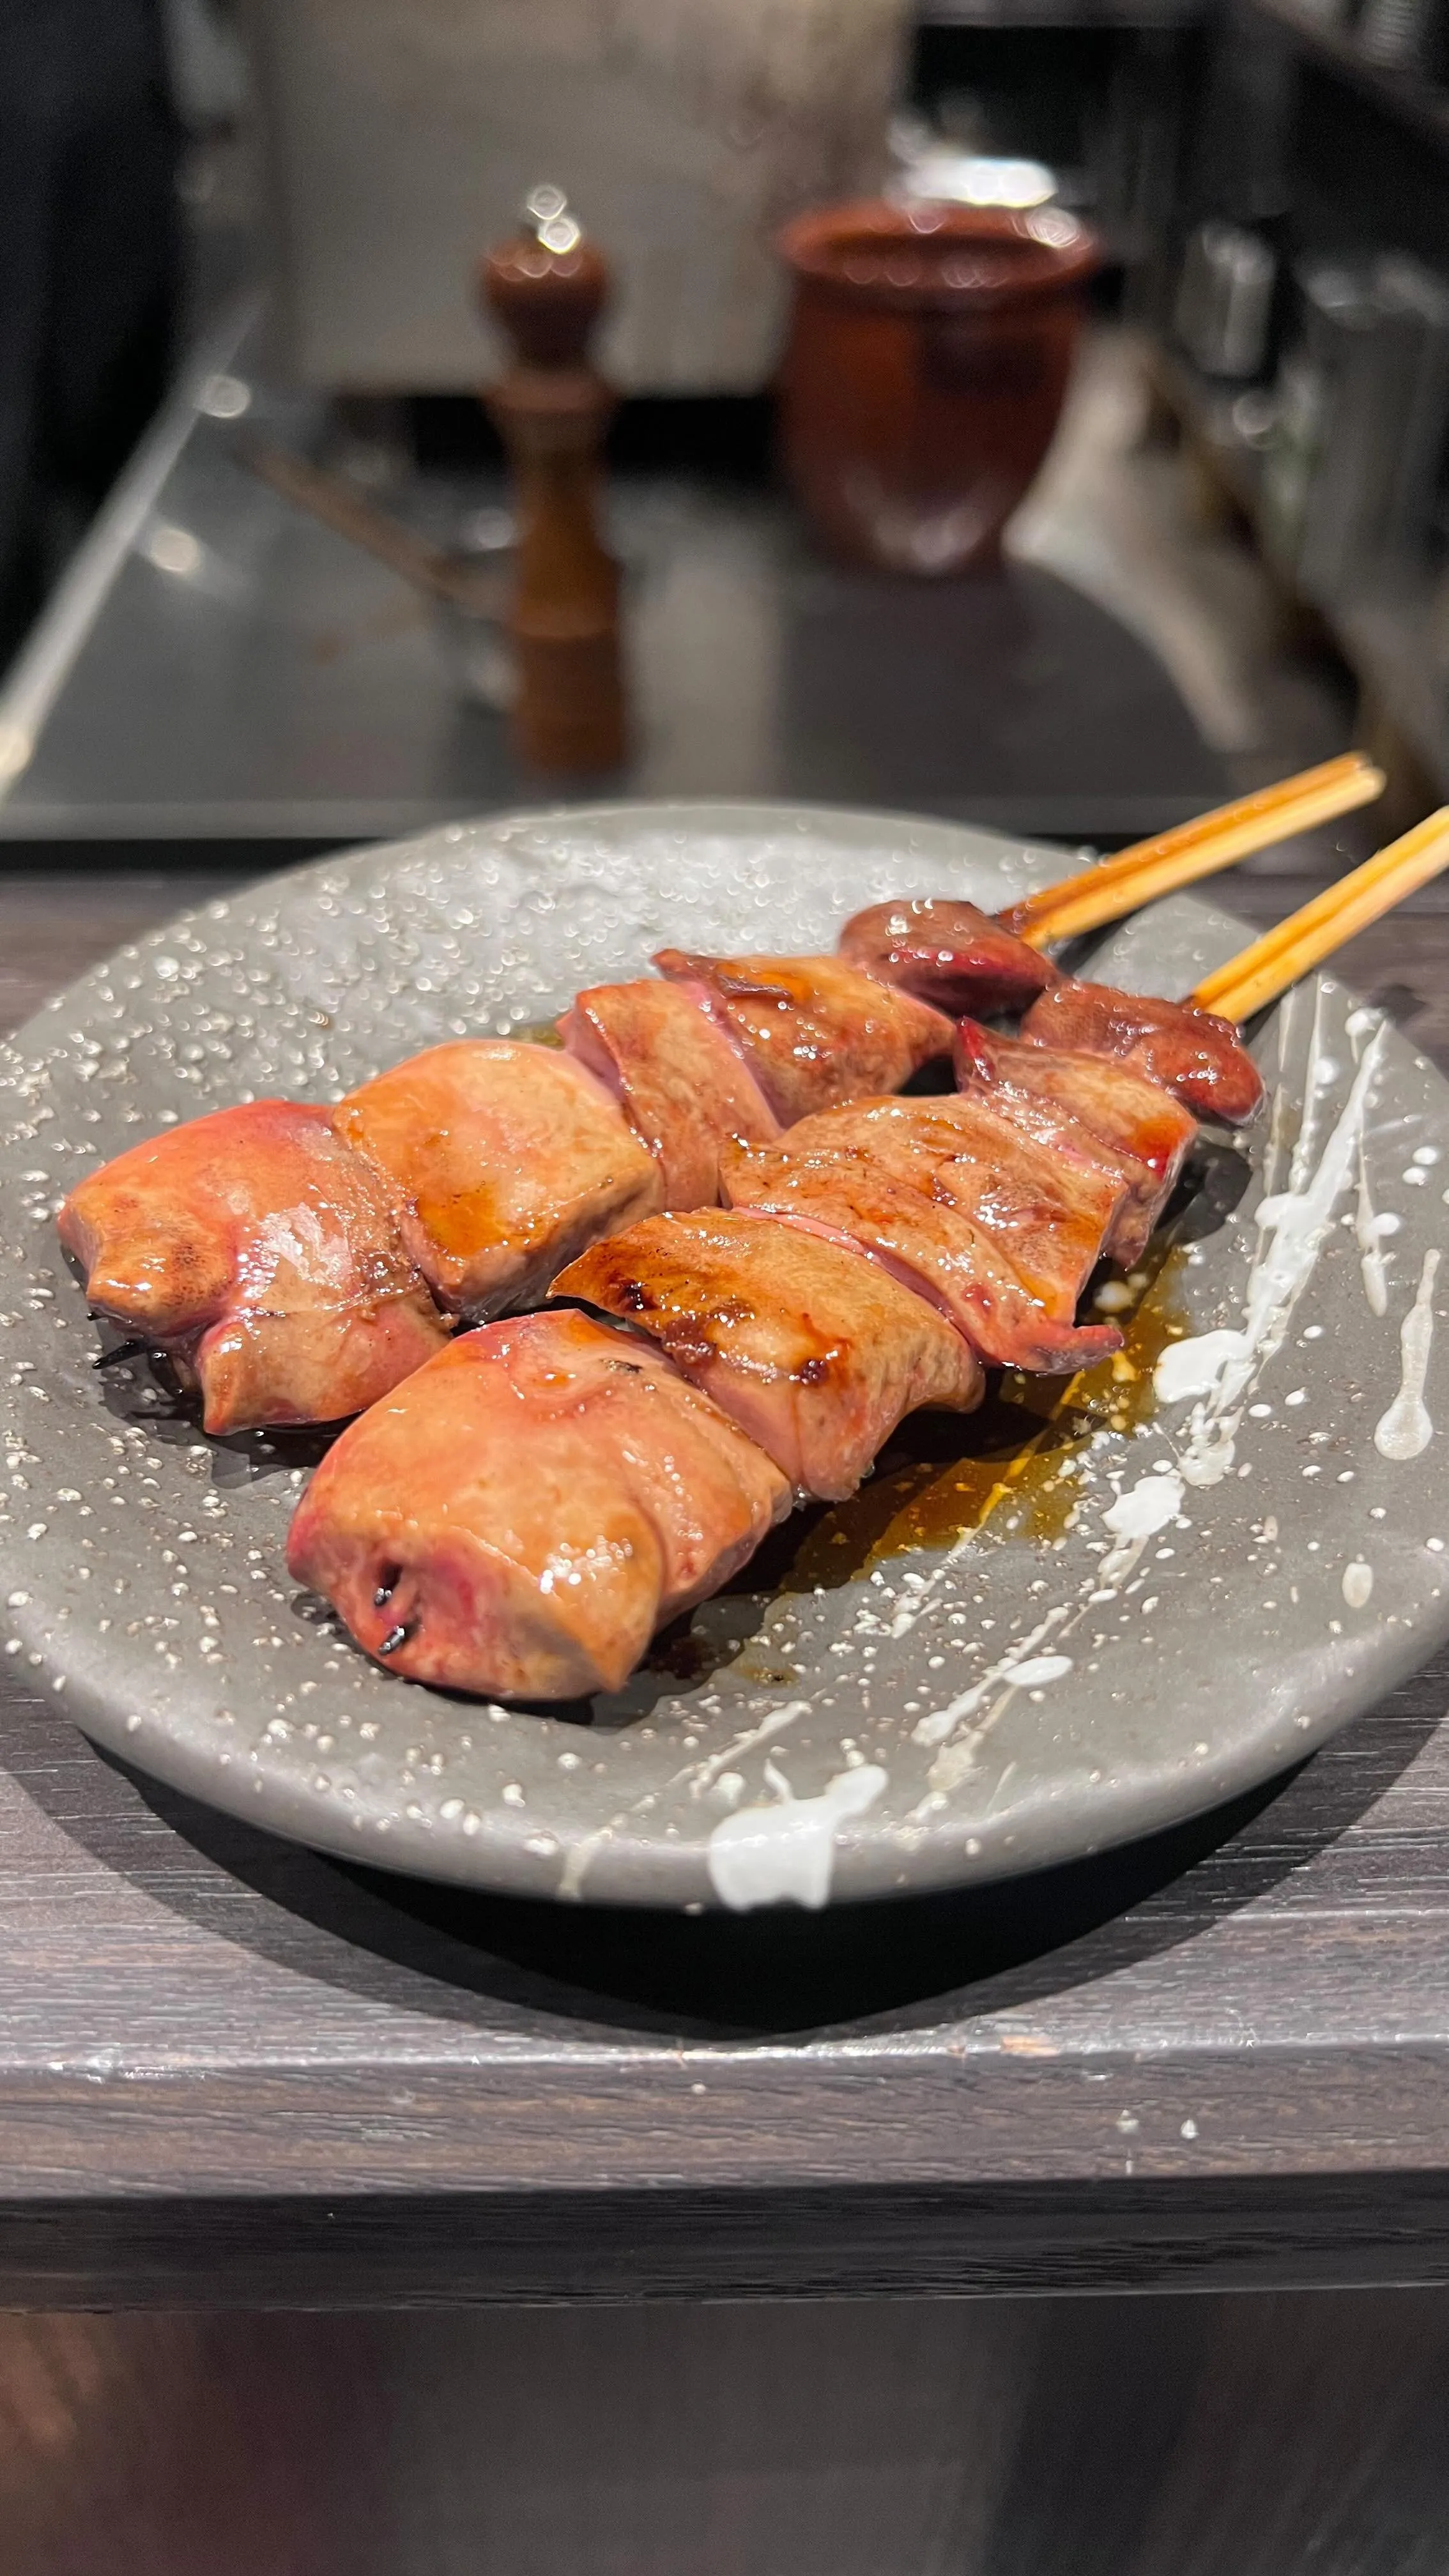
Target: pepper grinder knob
column 547, row 287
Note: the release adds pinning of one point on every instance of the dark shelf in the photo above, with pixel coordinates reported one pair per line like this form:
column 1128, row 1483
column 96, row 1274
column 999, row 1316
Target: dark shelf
column 1127, row 15
column 1419, row 104
column 1386, row 636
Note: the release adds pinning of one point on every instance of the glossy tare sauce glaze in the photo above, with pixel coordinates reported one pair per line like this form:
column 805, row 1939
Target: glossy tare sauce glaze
column 859, row 1252
column 1194, row 1054
column 949, row 953
column 458, row 1183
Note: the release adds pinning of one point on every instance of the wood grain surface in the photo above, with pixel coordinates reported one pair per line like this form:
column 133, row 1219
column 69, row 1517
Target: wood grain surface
column 233, row 2072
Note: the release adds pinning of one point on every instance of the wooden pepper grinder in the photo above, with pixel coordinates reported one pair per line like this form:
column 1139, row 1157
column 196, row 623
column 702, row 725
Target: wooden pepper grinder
column 546, row 287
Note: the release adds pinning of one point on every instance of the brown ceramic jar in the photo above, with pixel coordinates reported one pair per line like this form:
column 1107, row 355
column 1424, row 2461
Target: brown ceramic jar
column 928, row 357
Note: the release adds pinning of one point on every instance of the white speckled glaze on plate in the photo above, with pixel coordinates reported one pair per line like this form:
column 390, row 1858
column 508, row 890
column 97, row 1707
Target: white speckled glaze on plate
column 1244, row 1570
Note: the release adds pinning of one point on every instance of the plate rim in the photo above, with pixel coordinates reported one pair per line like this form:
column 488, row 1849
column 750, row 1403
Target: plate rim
column 191, row 1768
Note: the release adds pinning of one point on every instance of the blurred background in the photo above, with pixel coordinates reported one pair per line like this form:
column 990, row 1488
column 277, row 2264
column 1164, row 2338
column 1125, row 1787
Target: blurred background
column 258, row 533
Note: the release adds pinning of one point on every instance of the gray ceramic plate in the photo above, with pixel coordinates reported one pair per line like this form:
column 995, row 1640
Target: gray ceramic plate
column 1163, row 1603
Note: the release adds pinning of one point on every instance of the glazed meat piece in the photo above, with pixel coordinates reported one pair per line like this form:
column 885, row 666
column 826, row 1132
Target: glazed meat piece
column 1114, row 1101
column 521, row 1516
column 1045, row 1218
column 1045, row 1122
column 813, row 1350
column 1039, row 1115
column 265, row 1257
column 813, row 1030
column 685, row 1089
column 1193, row 1054
column 1046, row 1212
column 508, row 1159
column 947, row 952
column 829, row 1176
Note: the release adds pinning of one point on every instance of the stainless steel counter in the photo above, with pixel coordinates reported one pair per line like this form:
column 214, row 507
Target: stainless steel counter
column 219, row 670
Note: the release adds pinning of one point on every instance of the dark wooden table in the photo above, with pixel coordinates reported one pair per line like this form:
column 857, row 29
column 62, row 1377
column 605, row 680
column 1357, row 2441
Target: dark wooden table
column 237, row 2077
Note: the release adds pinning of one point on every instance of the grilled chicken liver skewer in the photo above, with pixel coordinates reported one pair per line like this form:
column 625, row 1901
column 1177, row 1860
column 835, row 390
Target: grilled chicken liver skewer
column 814, row 1352
column 1120, row 1104
column 485, row 1164
column 496, row 1170
column 954, row 955
column 522, row 1514
column 683, row 1084
column 292, row 1261
column 887, row 1262
column 795, row 1355
column 265, row 1256
column 1193, row 1053
column 815, row 1030
column 949, row 953
column 913, row 1195
column 1001, row 1223
column 499, row 1155
column 489, row 1164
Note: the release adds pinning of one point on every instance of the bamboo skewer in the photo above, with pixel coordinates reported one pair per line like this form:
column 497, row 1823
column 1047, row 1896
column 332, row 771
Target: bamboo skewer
column 1248, row 982
column 1191, row 850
